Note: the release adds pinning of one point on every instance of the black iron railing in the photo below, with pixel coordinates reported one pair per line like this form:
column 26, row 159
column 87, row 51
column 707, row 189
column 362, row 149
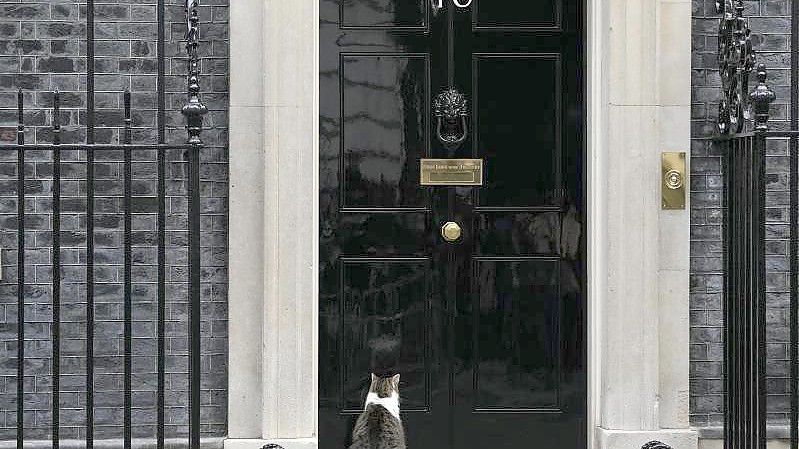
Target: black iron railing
column 744, row 167
column 745, row 291
column 193, row 112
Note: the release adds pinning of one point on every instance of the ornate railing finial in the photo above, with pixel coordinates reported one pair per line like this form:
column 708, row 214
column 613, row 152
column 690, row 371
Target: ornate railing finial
column 194, row 109
column 736, row 60
column 761, row 98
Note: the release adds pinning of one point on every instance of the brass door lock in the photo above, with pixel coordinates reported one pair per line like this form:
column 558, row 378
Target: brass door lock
column 451, row 231
column 673, row 181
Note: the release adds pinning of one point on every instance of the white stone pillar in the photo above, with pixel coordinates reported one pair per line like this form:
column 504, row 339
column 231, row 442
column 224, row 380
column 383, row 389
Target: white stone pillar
column 273, row 223
column 247, row 220
column 674, row 126
column 641, row 258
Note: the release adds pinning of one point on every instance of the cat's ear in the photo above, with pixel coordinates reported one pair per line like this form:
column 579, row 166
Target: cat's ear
column 374, row 378
column 395, row 378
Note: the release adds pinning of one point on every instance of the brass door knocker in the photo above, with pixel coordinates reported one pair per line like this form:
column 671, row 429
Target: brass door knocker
column 451, row 113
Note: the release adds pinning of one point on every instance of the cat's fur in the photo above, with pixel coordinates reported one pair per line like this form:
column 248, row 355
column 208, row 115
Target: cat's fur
column 379, row 426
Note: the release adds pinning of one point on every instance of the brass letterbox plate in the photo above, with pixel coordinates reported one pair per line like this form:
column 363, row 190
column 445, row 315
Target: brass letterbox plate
column 674, row 180
column 451, row 172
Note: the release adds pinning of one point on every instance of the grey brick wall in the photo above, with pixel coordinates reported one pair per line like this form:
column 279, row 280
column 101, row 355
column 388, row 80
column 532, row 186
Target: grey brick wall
column 770, row 22
column 42, row 47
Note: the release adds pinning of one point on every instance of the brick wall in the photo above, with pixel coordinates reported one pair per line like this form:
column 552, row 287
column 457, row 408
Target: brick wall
column 770, row 22
column 42, row 47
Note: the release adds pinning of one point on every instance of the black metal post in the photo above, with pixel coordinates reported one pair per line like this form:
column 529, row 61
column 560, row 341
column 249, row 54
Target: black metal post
column 20, row 272
column 56, row 265
column 127, row 284
column 90, row 123
column 793, row 239
column 194, row 294
column 194, row 111
column 161, row 219
column 761, row 98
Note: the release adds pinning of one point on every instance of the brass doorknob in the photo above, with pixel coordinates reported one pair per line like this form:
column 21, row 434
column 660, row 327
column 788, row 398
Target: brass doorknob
column 451, row 231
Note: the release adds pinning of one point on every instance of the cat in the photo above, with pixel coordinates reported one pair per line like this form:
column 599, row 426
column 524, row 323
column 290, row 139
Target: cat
column 380, row 426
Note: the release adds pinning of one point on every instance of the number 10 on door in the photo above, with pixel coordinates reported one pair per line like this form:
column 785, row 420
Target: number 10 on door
column 458, row 3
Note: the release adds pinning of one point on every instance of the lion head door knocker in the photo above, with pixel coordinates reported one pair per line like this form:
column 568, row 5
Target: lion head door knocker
column 451, row 113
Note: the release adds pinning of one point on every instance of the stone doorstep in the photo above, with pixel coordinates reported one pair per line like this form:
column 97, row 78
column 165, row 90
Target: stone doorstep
column 294, row 443
column 634, row 439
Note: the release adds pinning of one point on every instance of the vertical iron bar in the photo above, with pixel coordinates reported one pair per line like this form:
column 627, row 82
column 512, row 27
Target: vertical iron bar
column 747, row 295
column 90, row 123
column 56, row 280
column 726, row 233
column 751, row 310
column 728, row 281
column 20, row 118
column 738, row 307
column 793, row 244
column 20, row 272
column 736, row 298
column 89, row 73
column 793, row 254
column 740, row 294
column 128, row 309
column 126, row 135
column 194, row 110
column 730, row 294
column 161, row 70
column 732, row 297
column 194, row 292
column 161, row 293
column 760, row 240
column 751, row 295
column 161, row 298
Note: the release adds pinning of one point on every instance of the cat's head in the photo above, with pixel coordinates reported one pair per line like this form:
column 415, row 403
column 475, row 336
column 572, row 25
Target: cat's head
column 385, row 387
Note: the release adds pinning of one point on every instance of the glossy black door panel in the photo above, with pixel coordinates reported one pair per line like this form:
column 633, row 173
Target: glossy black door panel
column 516, row 317
column 521, row 233
column 488, row 332
column 383, row 234
column 386, row 303
column 517, row 14
column 520, row 145
column 410, row 14
column 384, row 123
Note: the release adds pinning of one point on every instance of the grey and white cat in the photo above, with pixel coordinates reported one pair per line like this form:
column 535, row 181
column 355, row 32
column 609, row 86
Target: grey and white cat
column 379, row 426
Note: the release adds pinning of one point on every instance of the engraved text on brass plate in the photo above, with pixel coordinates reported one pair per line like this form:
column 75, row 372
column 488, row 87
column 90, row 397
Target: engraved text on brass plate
column 451, row 172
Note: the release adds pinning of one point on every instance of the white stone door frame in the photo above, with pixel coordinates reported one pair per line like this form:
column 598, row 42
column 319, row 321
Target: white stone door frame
column 638, row 106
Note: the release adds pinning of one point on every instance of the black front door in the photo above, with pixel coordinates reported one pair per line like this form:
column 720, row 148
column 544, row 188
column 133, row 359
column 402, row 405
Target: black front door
column 487, row 331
